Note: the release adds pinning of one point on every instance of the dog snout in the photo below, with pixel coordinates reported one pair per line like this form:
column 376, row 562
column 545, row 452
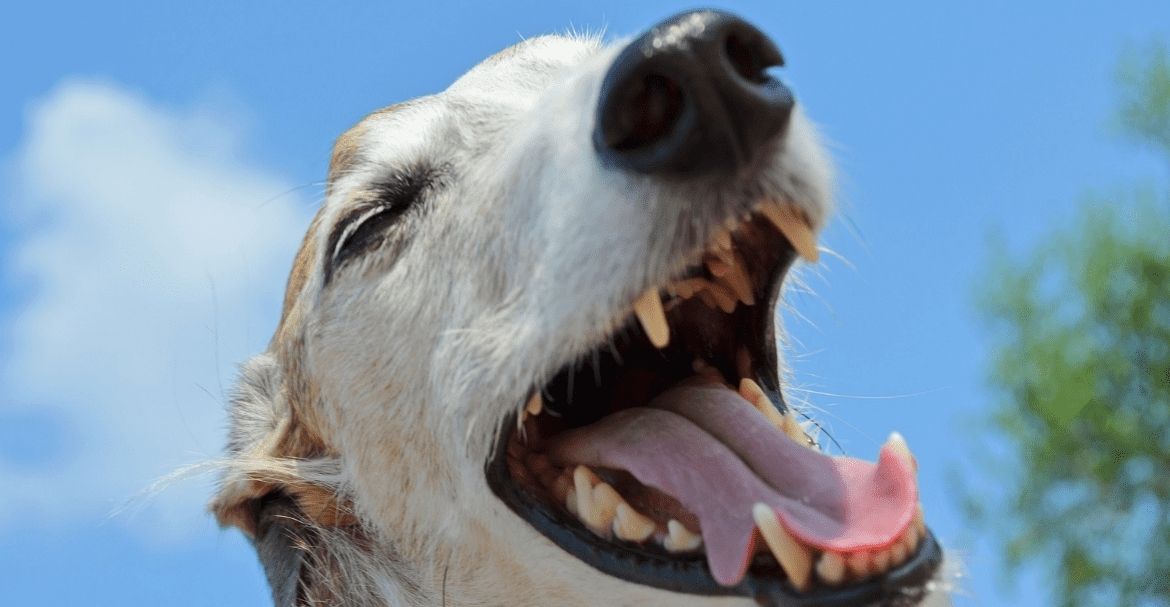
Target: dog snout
column 692, row 96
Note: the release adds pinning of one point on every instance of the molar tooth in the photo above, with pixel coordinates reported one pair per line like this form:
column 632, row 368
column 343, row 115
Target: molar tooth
column 631, row 525
column 535, row 404
column 679, row 538
column 648, row 309
column 831, row 568
column 605, row 503
column 795, row 227
column 795, row 558
column 724, row 298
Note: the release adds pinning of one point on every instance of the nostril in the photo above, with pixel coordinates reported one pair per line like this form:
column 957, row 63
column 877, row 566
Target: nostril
column 648, row 115
column 745, row 60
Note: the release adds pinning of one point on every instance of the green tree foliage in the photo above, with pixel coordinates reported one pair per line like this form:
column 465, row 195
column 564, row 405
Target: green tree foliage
column 1081, row 372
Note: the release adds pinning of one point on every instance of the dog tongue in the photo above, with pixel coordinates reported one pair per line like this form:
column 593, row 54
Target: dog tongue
column 710, row 449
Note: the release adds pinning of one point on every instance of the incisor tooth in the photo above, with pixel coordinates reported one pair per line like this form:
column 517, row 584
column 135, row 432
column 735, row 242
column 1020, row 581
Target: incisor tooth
column 858, row 565
column 831, row 568
column 648, row 309
column 794, row 227
column 898, row 444
column 898, row 554
column 881, row 561
column 679, row 538
column 631, row 525
column 535, row 404
column 793, row 557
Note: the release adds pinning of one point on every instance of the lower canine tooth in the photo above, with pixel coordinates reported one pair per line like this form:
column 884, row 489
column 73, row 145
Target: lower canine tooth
column 793, row 557
column 679, row 538
column 631, row 525
column 648, row 309
column 793, row 225
column 831, row 568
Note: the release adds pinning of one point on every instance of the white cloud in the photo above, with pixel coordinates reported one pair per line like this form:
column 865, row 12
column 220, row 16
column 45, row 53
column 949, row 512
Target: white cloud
column 155, row 259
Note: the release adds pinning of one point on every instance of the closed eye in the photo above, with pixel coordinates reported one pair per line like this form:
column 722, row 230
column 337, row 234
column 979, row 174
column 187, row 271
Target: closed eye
column 365, row 227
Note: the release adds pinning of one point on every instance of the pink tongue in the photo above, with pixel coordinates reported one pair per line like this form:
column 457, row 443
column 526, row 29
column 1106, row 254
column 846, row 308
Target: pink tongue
column 717, row 455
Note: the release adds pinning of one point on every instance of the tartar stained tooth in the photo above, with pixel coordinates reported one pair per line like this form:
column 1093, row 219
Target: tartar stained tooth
column 605, row 503
column 858, row 565
column 831, row 568
column 795, row 227
column 679, row 538
column 648, row 309
column 724, row 298
column 795, row 558
column 631, row 525
column 535, row 404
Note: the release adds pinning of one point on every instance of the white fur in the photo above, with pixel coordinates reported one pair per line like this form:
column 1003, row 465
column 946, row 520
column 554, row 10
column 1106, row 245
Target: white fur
column 527, row 255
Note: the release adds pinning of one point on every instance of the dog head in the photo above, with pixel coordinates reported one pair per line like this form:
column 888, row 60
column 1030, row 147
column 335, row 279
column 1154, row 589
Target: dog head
column 506, row 329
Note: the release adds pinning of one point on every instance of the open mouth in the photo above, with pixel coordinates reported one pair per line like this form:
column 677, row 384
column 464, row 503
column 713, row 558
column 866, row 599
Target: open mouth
column 667, row 456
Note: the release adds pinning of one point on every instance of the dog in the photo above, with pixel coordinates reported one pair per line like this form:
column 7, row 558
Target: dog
column 527, row 354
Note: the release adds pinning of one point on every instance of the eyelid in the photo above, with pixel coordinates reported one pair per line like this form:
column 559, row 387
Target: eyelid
column 354, row 220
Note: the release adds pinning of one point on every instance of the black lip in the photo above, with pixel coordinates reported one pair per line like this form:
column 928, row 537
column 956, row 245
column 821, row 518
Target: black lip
column 649, row 566
column 903, row 585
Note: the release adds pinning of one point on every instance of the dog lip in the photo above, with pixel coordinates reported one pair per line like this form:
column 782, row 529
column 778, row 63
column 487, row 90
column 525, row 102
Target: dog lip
column 905, row 584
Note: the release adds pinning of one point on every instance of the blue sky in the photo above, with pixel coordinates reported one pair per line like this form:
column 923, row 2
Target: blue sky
column 158, row 163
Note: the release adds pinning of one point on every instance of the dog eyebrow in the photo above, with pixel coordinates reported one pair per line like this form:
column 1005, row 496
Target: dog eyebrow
column 388, row 198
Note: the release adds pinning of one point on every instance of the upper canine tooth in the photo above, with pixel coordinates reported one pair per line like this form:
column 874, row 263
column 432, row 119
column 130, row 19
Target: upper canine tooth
column 535, row 404
column 793, row 557
column 793, row 225
column 679, row 538
column 648, row 309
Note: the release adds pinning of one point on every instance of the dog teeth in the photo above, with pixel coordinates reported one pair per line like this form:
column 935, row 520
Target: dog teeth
column 898, row 445
column 858, row 565
column 631, row 525
column 648, row 309
column 795, row 227
column 754, row 394
column 831, row 568
column 795, row 558
column 535, row 404
column 724, row 298
column 679, row 538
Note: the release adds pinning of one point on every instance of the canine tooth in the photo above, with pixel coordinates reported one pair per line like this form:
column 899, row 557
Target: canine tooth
column 679, row 538
column 754, row 394
column 793, row 557
column 794, row 227
column 631, row 525
column 831, row 568
column 648, row 309
column 898, row 444
column 535, row 404
column 858, row 565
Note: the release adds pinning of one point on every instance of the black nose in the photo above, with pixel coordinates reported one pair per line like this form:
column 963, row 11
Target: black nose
column 692, row 96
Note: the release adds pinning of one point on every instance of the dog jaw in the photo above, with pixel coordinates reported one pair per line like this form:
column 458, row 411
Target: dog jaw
column 382, row 392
